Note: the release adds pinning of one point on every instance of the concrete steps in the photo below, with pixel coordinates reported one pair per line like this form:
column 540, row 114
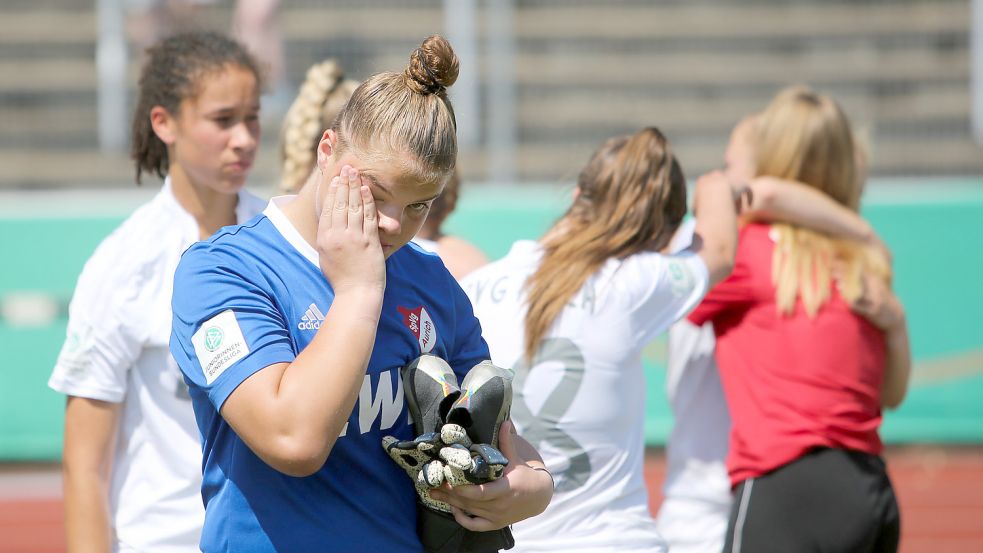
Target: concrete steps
column 585, row 71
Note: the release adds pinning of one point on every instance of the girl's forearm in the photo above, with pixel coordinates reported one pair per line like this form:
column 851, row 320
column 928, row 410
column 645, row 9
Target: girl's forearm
column 87, row 525
column 87, row 459
column 897, row 368
column 793, row 202
column 291, row 414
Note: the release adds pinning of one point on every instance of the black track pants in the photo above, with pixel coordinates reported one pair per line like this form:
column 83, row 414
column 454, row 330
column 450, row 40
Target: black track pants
column 827, row 501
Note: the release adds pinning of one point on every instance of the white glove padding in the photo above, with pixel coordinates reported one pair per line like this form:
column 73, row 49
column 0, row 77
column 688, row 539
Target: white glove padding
column 452, row 434
column 433, row 459
column 478, row 464
column 412, row 456
column 463, row 461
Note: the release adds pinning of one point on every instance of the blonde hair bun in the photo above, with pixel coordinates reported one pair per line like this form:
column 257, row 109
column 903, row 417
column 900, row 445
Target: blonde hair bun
column 433, row 67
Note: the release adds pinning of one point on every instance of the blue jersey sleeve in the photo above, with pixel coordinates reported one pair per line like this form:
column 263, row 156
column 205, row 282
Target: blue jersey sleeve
column 226, row 326
column 469, row 347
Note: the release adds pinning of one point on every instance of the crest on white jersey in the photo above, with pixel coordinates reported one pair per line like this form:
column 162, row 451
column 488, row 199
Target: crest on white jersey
column 681, row 278
column 421, row 325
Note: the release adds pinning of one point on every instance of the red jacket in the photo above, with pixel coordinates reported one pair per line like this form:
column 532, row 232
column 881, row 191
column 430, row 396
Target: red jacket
column 792, row 383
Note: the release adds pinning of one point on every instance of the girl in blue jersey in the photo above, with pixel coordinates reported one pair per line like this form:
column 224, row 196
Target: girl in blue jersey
column 291, row 331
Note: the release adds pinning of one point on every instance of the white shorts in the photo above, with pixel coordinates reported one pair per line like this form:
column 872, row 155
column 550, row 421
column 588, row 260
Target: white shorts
column 692, row 525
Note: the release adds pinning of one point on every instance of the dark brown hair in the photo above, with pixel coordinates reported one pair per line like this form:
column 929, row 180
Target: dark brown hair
column 173, row 72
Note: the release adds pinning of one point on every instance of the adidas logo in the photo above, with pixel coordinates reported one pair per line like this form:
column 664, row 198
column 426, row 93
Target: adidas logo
column 312, row 319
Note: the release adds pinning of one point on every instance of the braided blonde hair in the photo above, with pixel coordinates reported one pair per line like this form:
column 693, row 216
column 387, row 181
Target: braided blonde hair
column 322, row 95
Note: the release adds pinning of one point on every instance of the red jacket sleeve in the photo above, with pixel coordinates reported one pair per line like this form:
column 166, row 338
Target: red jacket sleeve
column 735, row 291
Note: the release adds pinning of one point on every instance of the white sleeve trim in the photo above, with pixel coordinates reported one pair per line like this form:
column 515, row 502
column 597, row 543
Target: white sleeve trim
column 697, row 263
column 70, row 388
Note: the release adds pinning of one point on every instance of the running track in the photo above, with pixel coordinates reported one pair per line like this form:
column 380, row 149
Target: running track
column 940, row 491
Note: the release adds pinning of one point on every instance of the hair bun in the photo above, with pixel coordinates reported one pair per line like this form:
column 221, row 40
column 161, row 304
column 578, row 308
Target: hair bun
column 433, row 67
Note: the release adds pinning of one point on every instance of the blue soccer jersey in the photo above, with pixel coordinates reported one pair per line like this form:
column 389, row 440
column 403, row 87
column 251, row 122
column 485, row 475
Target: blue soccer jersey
column 254, row 295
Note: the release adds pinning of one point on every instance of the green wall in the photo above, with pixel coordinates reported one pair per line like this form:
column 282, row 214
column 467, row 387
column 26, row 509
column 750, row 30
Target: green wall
column 933, row 227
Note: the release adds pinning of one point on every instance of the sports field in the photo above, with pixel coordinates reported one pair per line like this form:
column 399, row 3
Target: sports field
column 940, row 491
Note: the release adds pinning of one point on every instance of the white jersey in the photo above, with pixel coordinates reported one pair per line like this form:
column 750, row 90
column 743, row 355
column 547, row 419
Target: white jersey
column 698, row 442
column 117, row 350
column 693, row 516
column 582, row 404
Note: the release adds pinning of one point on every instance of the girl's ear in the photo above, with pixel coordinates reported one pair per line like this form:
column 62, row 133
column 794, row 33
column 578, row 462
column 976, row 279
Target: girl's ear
column 163, row 124
column 325, row 148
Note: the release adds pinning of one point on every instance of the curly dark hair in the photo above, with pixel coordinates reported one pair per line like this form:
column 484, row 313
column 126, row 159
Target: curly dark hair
column 173, row 72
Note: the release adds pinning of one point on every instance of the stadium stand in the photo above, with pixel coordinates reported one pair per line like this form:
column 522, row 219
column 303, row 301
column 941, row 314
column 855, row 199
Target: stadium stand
column 584, row 70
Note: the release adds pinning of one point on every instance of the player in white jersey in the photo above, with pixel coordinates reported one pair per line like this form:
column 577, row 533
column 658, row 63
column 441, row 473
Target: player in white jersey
column 132, row 454
column 572, row 312
column 697, row 498
column 693, row 515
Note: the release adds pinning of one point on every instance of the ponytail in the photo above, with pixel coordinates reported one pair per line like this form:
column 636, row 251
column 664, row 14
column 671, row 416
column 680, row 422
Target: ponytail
column 632, row 197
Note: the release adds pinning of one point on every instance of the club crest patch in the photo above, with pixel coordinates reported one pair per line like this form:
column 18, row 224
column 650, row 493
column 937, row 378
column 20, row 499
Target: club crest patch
column 76, row 354
column 421, row 325
column 681, row 279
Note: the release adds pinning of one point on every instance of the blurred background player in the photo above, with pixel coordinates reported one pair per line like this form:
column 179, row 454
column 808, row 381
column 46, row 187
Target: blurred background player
column 460, row 256
column 293, row 456
column 150, row 21
column 572, row 312
column 696, row 495
column 255, row 23
column 321, row 96
column 132, row 459
column 804, row 376
column 323, row 93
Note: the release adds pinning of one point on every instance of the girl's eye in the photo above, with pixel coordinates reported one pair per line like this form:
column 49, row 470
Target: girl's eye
column 420, row 207
column 224, row 121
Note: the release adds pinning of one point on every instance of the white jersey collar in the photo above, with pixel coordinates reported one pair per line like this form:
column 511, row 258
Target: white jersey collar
column 427, row 244
column 287, row 230
column 526, row 248
column 189, row 227
column 244, row 211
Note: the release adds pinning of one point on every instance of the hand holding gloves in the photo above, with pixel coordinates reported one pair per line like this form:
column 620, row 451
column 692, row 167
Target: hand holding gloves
column 458, row 429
